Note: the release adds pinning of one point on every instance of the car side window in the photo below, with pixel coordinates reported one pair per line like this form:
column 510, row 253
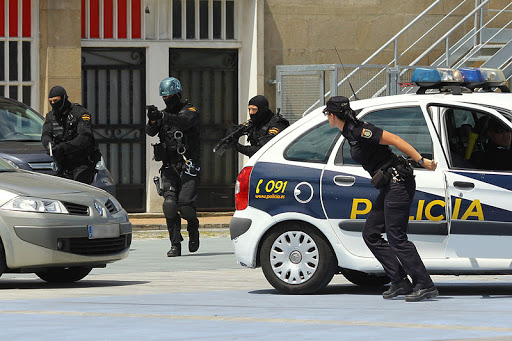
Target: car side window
column 407, row 122
column 477, row 140
column 314, row 145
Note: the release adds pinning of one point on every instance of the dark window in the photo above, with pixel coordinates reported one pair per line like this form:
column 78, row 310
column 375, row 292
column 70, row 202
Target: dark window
column 217, row 14
column 203, row 19
column 26, row 95
column 13, row 61
column 230, row 20
column 176, row 19
column 26, row 61
column 2, row 61
column 314, row 145
column 408, row 123
column 13, row 92
column 191, row 19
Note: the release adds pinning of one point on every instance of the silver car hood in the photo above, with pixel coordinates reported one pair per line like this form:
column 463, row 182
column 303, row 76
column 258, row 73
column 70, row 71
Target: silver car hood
column 41, row 185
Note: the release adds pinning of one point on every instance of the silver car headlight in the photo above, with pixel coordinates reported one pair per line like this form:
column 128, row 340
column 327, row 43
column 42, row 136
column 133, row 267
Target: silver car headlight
column 30, row 204
column 11, row 163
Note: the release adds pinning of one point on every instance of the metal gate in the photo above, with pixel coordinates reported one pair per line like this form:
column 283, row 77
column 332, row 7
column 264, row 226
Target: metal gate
column 113, row 90
column 302, row 88
column 209, row 78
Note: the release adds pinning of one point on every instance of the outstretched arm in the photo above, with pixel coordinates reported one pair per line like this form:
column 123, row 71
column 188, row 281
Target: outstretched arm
column 402, row 145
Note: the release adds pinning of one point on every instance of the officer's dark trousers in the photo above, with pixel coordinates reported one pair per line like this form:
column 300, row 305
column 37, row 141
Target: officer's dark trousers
column 180, row 194
column 390, row 214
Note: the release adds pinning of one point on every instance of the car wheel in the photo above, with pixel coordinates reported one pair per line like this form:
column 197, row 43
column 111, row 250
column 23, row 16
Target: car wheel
column 3, row 265
column 365, row 279
column 296, row 259
column 64, row 275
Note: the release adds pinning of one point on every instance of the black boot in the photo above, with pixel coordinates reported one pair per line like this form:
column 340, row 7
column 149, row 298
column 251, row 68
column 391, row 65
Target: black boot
column 404, row 287
column 193, row 241
column 175, row 251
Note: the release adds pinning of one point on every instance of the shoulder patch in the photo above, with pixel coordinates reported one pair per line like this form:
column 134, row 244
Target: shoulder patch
column 192, row 109
column 366, row 133
column 86, row 117
column 273, row 131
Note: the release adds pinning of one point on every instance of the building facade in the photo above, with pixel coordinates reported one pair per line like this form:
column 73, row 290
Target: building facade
column 111, row 55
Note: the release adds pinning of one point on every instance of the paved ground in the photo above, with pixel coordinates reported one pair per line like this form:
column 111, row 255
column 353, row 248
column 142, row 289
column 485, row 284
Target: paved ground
column 156, row 221
column 207, row 296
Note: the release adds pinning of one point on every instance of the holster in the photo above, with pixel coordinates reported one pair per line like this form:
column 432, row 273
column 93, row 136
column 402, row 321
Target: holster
column 381, row 178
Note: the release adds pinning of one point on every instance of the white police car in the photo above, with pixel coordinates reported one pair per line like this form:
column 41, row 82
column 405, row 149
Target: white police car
column 301, row 201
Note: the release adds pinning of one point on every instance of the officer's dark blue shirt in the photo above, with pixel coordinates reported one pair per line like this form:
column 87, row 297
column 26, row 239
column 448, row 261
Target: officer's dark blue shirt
column 364, row 146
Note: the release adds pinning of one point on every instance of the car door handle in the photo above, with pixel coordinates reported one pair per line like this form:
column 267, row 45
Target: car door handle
column 463, row 186
column 343, row 180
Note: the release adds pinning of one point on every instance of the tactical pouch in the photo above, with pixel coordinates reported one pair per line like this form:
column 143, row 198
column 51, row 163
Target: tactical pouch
column 159, row 152
column 380, row 179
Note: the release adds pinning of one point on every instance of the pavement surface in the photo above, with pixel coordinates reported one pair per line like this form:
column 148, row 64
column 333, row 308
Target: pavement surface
column 156, row 221
column 207, row 296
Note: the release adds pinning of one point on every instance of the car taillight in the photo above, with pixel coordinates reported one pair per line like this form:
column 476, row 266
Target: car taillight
column 242, row 188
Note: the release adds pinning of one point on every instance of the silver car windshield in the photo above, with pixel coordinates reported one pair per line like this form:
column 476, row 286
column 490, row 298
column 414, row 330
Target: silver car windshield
column 19, row 123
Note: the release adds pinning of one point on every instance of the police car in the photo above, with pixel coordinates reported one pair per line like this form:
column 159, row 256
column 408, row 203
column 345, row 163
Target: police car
column 301, row 201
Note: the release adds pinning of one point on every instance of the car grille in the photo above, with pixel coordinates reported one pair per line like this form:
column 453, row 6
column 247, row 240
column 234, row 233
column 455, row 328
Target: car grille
column 111, row 207
column 76, row 209
column 41, row 166
column 92, row 247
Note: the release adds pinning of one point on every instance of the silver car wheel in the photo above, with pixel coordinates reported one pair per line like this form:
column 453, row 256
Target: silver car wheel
column 294, row 257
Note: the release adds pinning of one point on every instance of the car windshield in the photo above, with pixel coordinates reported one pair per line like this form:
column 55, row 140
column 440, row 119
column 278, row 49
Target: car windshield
column 18, row 123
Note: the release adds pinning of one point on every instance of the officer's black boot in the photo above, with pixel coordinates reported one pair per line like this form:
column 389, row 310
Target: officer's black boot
column 193, row 240
column 175, row 251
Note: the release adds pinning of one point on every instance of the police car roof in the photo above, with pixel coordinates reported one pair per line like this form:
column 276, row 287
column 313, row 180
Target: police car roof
column 490, row 99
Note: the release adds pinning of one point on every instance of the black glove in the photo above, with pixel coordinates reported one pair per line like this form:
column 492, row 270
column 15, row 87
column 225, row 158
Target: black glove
column 58, row 150
column 153, row 113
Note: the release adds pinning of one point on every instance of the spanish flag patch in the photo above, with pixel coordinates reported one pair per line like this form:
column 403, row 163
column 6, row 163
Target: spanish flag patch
column 192, row 109
column 86, row 117
column 273, row 131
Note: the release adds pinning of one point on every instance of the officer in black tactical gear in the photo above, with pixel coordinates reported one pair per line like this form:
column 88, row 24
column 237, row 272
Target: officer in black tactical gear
column 177, row 127
column 266, row 125
column 68, row 138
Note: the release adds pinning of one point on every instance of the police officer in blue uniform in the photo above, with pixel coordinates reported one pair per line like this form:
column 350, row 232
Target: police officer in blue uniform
column 266, row 125
column 178, row 129
column 393, row 176
column 68, row 137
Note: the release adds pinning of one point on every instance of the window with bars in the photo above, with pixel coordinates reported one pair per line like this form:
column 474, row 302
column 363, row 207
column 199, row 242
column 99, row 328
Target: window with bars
column 16, row 50
column 159, row 19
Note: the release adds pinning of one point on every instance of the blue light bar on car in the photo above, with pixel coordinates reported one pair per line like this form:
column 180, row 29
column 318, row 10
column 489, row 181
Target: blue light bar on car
column 427, row 78
column 472, row 75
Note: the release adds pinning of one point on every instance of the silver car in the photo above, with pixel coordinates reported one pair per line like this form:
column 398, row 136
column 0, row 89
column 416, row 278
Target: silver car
column 58, row 229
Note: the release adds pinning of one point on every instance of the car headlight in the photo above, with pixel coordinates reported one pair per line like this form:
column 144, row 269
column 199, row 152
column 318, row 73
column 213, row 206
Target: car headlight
column 11, row 163
column 30, row 204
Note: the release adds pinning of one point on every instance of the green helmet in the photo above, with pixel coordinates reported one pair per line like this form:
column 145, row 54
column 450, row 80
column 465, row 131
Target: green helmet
column 170, row 86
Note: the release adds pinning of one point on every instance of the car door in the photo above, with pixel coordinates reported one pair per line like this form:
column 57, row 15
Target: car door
column 347, row 193
column 478, row 195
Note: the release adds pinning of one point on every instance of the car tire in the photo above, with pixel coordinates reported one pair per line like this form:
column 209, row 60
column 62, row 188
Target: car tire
column 64, row 275
column 3, row 264
column 365, row 279
column 297, row 259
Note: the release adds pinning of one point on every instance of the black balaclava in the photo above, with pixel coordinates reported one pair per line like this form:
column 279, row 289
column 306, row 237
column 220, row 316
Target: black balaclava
column 172, row 101
column 62, row 105
column 264, row 113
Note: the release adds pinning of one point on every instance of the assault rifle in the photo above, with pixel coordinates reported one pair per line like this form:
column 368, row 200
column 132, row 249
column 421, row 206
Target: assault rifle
column 229, row 139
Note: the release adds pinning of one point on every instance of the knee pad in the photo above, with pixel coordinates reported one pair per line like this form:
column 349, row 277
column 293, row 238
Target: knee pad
column 170, row 208
column 188, row 213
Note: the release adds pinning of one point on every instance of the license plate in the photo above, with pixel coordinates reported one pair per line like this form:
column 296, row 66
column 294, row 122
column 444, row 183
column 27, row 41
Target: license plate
column 103, row 231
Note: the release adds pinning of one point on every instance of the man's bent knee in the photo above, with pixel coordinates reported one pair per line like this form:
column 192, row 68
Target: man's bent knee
column 170, row 208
